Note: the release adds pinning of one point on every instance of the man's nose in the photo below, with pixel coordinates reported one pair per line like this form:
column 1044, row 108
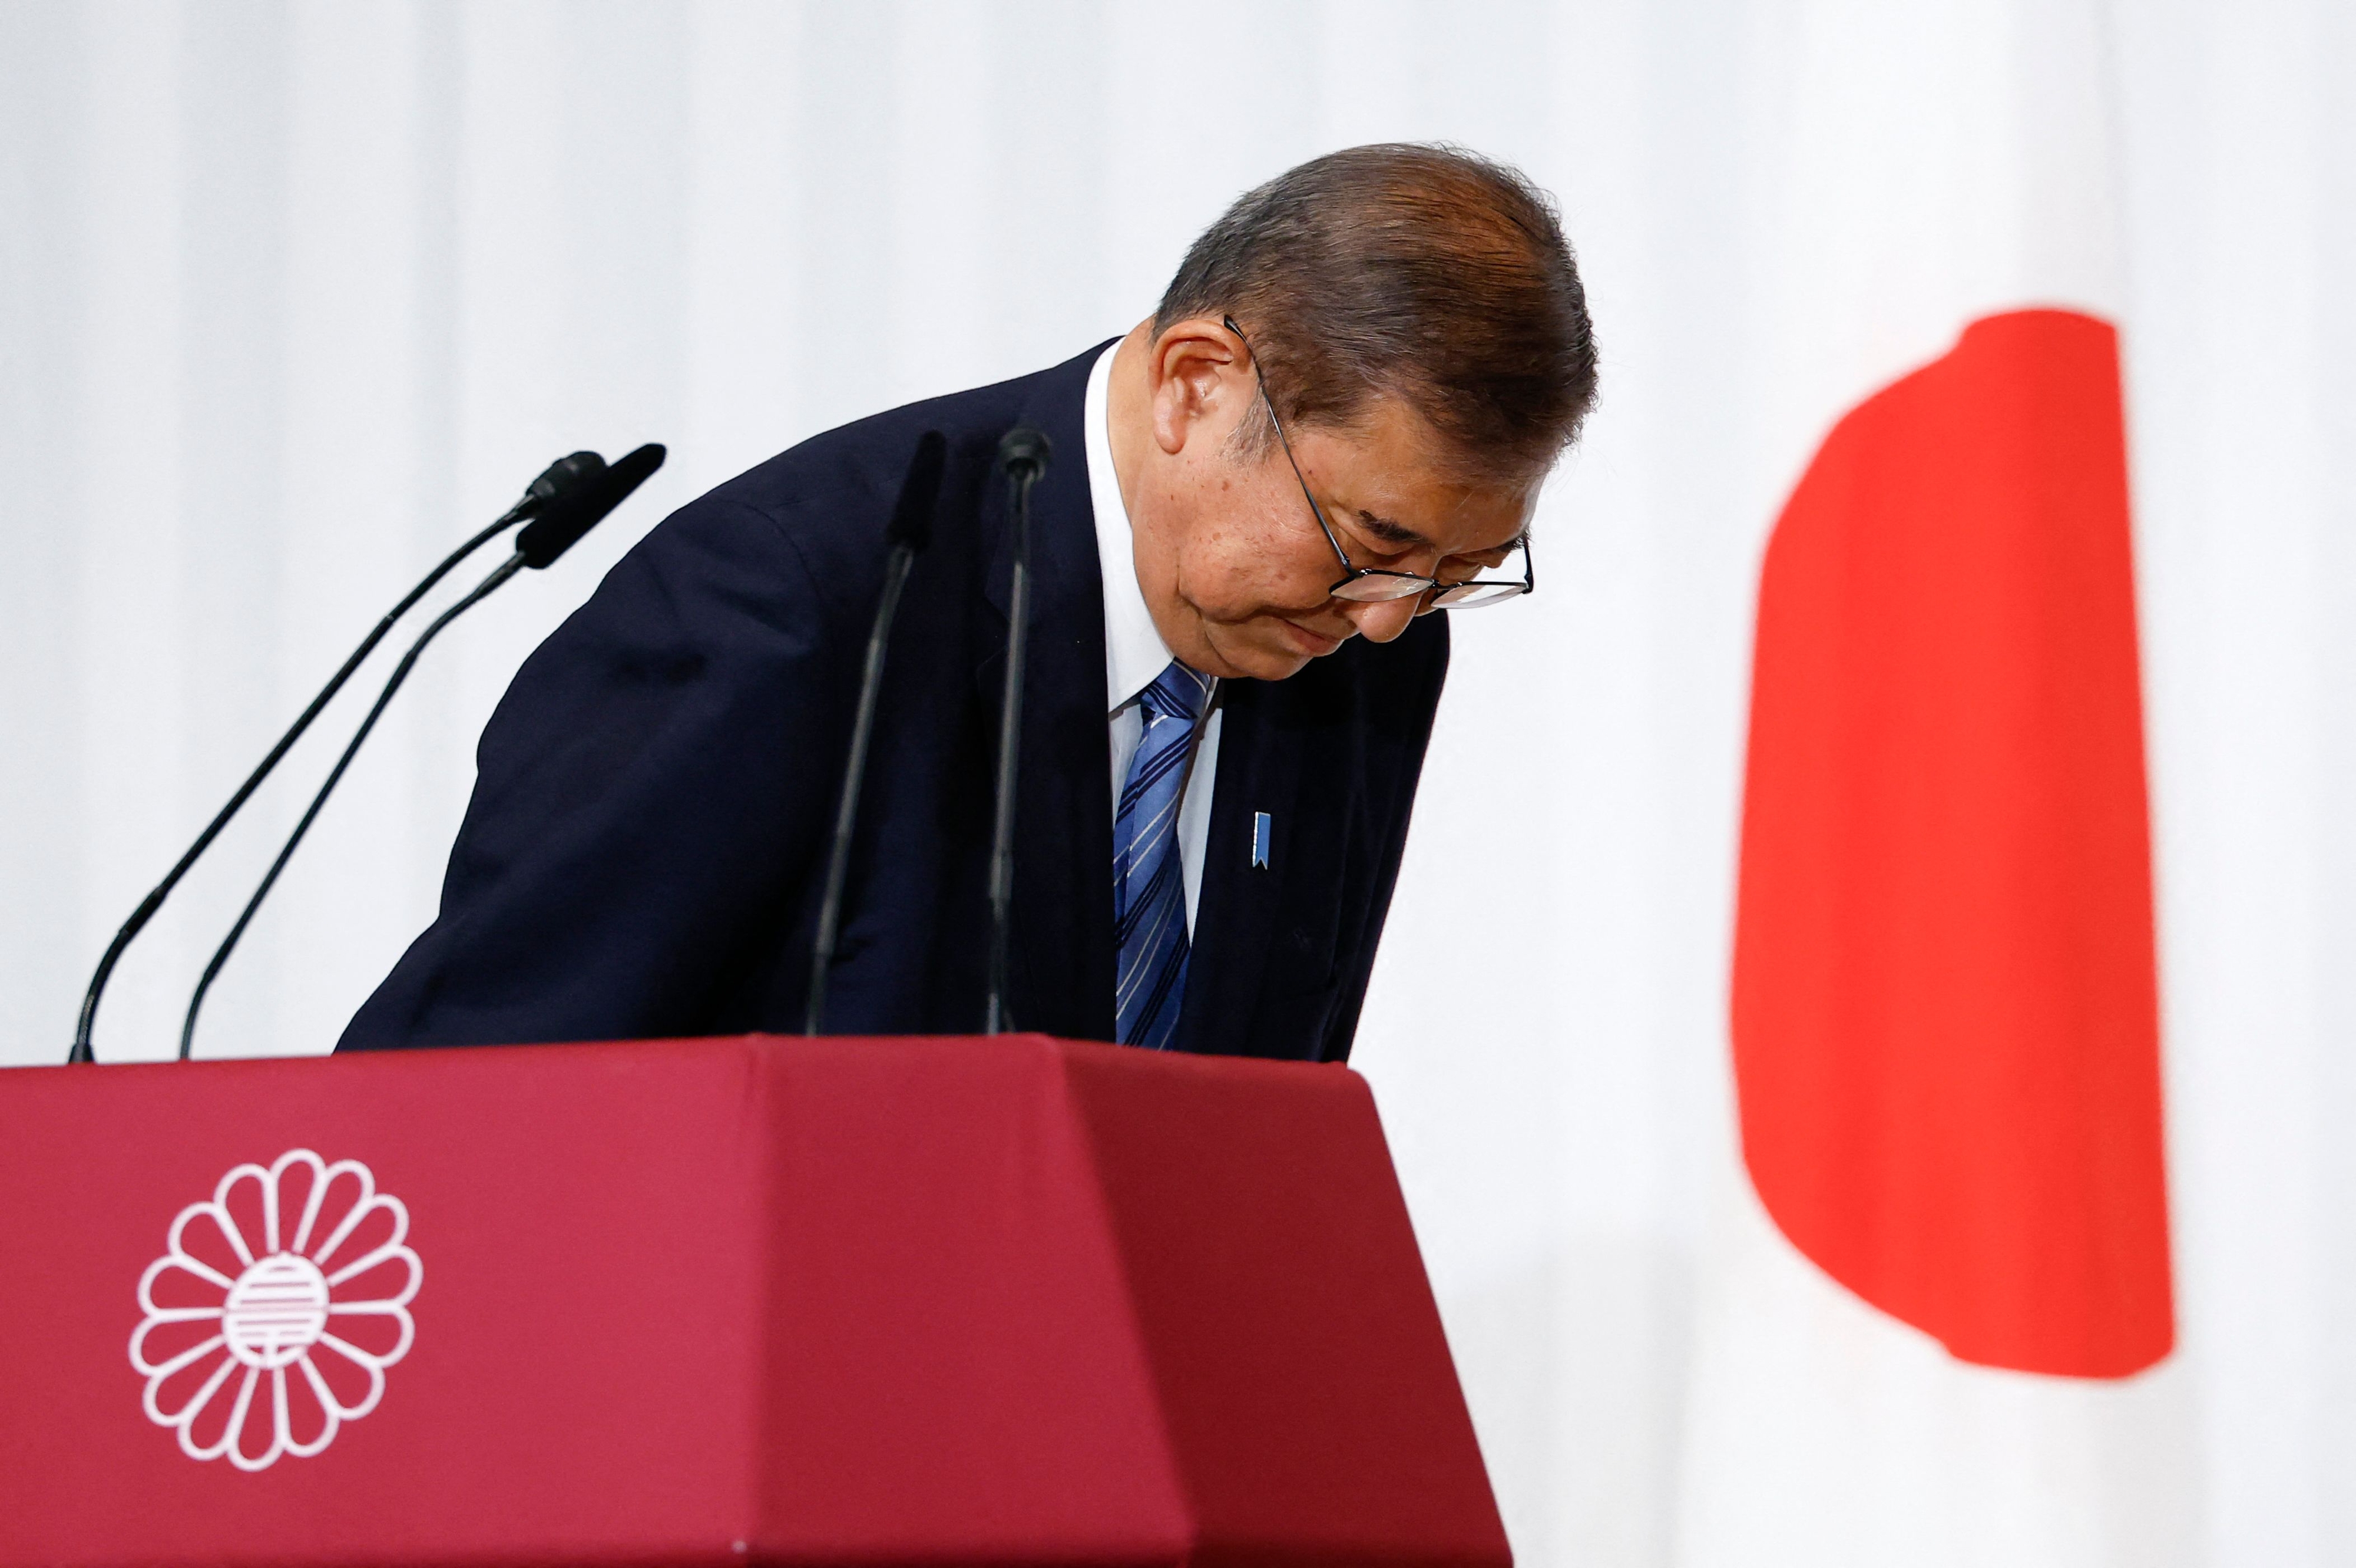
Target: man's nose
column 1381, row 621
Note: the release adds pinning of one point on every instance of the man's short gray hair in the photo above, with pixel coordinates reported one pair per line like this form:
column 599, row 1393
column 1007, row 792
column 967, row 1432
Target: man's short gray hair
column 1423, row 273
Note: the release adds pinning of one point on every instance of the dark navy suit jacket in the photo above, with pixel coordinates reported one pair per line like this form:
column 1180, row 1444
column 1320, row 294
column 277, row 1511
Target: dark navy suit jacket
column 643, row 853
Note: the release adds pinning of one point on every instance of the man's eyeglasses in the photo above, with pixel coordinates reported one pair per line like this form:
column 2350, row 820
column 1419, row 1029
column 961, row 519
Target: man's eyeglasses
column 1373, row 584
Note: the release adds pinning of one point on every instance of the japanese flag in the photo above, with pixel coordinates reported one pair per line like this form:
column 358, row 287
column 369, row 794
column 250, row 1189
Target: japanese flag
column 1937, row 1314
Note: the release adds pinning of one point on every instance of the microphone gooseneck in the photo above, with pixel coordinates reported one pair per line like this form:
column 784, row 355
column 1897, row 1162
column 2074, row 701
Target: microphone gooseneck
column 560, row 524
column 910, row 530
column 1024, row 453
column 558, row 482
column 506, row 569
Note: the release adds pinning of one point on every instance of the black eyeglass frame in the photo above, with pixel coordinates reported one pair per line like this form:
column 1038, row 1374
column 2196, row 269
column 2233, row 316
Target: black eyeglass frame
column 1352, row 572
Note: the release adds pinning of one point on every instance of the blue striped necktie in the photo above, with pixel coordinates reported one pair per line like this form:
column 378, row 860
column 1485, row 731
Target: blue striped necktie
column 1149, row 892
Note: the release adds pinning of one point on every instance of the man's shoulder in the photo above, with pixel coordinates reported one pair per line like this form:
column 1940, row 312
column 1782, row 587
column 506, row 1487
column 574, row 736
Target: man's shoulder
column 842, row 484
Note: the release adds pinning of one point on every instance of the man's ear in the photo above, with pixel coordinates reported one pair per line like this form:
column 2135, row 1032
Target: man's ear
column 1197, row 369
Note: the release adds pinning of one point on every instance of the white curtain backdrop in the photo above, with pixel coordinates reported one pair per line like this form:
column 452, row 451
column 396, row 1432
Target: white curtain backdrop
column 292, row 297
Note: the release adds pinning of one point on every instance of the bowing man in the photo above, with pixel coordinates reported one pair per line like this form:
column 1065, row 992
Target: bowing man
column 1262, row 503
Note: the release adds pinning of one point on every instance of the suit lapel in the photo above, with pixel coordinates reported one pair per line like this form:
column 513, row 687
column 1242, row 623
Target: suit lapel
column 1235, row 916
column 1062, row 961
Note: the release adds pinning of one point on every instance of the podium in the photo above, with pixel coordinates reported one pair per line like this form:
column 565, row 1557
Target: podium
column 1007, row 1300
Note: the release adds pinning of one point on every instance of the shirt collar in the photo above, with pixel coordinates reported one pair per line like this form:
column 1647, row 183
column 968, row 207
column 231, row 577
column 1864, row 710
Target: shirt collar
column 1134, row 652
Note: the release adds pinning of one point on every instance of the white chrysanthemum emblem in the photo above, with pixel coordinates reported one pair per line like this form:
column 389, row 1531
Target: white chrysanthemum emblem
column 275, row 1310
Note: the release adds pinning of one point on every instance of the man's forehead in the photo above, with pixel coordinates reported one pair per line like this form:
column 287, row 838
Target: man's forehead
column 1452, row 518
column 1399, row 484
column 1484, row 528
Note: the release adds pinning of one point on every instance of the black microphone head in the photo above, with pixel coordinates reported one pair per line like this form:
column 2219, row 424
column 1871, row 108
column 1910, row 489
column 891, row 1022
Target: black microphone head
column 1025, row 450
column 576, row 511
column 559, row 476
column 911, row 519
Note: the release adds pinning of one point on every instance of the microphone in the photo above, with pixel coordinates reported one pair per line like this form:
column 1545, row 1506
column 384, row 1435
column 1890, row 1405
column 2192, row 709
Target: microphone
column 560, row 477
column 911, row 529
column 558, row 526
column 557, row 483
column 1024, row 453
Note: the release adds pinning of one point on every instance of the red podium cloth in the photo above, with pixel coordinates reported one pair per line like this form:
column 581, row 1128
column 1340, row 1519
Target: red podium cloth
column 752, row 1300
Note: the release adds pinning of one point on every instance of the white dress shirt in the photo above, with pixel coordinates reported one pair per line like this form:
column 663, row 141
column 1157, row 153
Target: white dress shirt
column 1135, row 654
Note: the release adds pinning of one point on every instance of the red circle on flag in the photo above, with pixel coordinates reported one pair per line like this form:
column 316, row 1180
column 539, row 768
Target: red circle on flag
column 1944, row 1017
